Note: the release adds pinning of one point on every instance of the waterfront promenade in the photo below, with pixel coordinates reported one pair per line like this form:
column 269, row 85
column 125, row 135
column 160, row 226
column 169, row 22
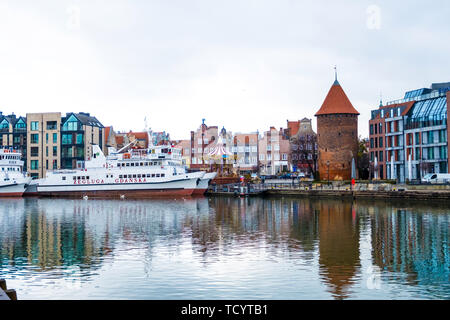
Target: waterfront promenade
column 334, row 189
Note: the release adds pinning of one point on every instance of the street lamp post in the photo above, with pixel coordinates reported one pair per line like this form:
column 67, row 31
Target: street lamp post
column 328, row 167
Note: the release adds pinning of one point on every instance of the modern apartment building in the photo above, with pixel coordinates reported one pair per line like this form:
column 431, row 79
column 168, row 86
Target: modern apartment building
column 409, row 137
column 43, row 147
column 78, row 132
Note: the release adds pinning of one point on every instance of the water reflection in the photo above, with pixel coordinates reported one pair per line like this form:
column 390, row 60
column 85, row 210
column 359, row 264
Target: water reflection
column 227, row 247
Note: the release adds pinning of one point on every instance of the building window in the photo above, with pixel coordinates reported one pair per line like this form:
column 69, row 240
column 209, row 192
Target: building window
column 371, row 129
column 34, row 125
column 55, row 138
column 67, row 138
column 380, row 144
column 34, row 138
column 285, row 156
column 55, row 151
column 51, row 125
column 71, row 124
column 431, row 153
column 79, row 138
column 34, row 152
column 430, row 137
column 261, row 157
column 34, row 164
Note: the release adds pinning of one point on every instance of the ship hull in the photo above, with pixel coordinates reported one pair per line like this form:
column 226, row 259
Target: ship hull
column 117, row 194
column 13, row 190
column 204, row 183
column 175, row 188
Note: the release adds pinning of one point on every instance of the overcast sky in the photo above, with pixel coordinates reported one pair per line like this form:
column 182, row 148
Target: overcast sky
column 246, row 65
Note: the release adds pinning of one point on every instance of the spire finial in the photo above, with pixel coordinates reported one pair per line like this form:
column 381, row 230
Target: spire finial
column 381, row 99
column 336, row 82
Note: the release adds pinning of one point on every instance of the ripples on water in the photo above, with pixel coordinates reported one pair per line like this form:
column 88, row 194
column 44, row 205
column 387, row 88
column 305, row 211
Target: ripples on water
column 224, row 248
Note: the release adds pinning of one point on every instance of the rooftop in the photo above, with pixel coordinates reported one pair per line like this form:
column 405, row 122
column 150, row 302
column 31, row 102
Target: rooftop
column 336, row 102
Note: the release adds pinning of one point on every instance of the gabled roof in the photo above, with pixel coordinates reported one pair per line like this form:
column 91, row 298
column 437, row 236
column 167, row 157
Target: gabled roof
column 336, row 102
column 84, row 118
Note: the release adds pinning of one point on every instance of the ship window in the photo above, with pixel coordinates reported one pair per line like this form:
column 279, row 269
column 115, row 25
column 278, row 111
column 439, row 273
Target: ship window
column 63, row 178
column 83, row 178
column 128, row 164
column 87, row 178
column 153, row 175
column 148, row 175
column 78, row 178
column 134, row 176
column 120, row 176
column 138, row 175
column 74, row 178
column 142, row 164
column 132, row 164
column 162, row 175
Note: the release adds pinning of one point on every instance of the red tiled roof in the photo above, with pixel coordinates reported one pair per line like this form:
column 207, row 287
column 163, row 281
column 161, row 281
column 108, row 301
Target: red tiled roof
column 138, row 135
column 336, row 102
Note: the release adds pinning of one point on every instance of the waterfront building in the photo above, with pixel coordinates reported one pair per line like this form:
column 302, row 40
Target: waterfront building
column 415, row 135
column 200, row 139
column 337, row 135
column 274, row 148
column 303, row 149
column 245, row 150
column 185, row 146
column 44, row 146
column 78, row 132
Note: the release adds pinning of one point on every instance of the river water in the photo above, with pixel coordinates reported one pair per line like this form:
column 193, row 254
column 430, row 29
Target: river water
column 224, row 248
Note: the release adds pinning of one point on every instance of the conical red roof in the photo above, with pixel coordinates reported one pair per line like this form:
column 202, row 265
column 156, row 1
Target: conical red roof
column 336, row 102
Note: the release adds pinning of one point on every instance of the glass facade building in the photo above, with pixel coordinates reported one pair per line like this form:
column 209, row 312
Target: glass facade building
column 416, row 134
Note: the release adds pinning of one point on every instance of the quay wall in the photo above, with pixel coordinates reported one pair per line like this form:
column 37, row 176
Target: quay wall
column 407, row 194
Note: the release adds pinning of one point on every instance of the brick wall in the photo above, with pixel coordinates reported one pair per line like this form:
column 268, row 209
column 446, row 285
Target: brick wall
column 337, row 137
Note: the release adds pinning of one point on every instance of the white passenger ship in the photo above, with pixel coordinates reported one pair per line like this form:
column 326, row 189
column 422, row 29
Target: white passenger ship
column 152, row 172
column 12, row 179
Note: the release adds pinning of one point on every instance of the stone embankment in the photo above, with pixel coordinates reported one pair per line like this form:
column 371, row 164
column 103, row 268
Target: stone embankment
column 359, row 190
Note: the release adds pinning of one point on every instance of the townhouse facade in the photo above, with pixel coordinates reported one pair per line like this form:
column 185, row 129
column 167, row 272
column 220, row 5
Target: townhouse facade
column 245, row 149
column 274, row 148
column 304, row 149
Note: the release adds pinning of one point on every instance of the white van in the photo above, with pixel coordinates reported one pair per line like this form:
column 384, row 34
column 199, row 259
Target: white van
column 436, row 178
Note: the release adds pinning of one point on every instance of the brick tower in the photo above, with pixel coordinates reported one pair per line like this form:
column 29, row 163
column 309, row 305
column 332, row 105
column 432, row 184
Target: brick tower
column 337, row 135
